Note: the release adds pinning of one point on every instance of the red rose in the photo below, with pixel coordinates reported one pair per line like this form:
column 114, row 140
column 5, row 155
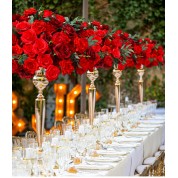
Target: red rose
column 40, row 46
column 81, row 44
column 50, row 28
column 28, row 49
column 45, row 60
column 14, row 39
column 116, row 53
column 23, row 26
column 83, row 66
column 52, row 72
column 96, row 48
column 16, row 50
column 95, row 23
column 23, row 73
column 15, row 66
column 98, row 39
column 147, row 62
column 130, row 62
column 23, row 18
column 107, row 62
column 154, row 63
column 62, row 51
column 116, row 43
column 30, row 11
column 47, row 13
column 29, row 36
column 107, row 42
column 105, row 27
column 137, row 49
column 39, row 26
column 14, row 23
column 69, row 30
column 91, row 53
column 101, row 33
column 60, row 18
column 125, row 35
column 15, row 17
column 84, row 24
column 121, row 66
column 160, row 59
column 66, row 66
column 30, row 65
column 60, row 38
column 106, row 49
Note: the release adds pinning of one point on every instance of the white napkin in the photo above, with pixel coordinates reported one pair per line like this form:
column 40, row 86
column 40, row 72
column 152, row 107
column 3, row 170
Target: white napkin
column 103, row 159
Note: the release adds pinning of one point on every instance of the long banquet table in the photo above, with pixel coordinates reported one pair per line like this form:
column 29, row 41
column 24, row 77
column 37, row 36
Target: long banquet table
column 146, row 148
column 150, row 135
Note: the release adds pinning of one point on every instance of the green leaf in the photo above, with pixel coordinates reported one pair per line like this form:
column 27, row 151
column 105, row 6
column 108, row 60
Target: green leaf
column 31, row 20
column 47, row 19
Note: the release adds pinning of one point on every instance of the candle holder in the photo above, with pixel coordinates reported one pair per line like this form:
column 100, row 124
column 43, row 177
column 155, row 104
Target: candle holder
column 140, row 83
column 92, row 94
column 40, row 81
column 117, row 73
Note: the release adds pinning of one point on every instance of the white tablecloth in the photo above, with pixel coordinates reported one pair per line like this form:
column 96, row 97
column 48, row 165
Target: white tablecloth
column 147, row 148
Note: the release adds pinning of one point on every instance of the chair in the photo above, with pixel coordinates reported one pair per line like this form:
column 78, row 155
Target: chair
column 153, row 163
column 162, row 148
column 142, row 170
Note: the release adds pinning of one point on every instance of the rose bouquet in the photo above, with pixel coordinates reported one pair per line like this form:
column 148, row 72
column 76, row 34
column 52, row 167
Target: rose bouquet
column 49, row 40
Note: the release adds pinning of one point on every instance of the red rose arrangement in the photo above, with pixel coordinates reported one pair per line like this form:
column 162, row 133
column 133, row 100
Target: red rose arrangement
column 49, row 40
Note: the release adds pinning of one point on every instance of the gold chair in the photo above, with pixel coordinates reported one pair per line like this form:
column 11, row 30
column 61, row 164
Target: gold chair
column 142, row 170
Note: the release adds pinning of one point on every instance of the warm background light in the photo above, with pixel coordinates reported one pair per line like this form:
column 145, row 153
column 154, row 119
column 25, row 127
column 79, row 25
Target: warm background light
column 18, row 125
column 60, row 100
column 60, row 91
column 71, row 97
column 71, row 101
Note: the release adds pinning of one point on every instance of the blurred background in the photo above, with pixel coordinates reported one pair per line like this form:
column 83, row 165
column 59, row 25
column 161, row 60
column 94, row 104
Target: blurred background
column 143, row 17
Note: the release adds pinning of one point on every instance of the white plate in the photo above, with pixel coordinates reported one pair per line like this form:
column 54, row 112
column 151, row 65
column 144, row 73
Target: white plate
column 136, row 133
column 149, row 125
column 143, row 130
column 152, row 121
column 126, row 139
column 94, row 167
column 110, row 152
column 122, row 144
column 103, row 159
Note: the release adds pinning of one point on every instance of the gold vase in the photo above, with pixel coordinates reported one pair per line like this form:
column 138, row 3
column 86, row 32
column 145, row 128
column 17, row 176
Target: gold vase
column 117, row 73
column 140, row 83
column 92, row 94
column 40, row 81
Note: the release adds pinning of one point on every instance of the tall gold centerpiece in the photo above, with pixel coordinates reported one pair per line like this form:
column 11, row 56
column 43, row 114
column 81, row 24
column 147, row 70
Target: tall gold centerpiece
column 40, row 81
column 117, row 73
column 92, row 94
column 140, row 83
